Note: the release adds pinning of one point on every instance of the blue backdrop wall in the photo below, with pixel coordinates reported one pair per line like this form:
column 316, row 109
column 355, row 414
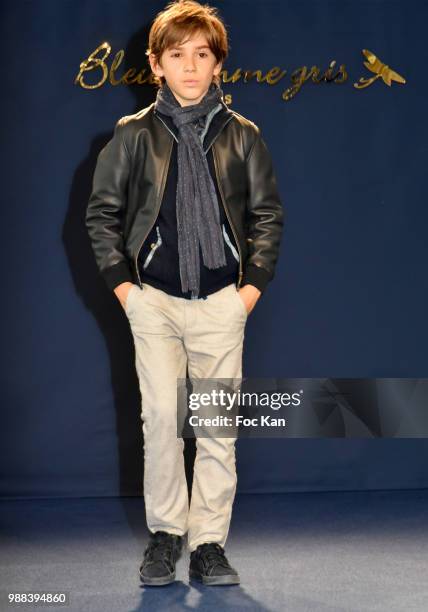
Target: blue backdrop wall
column 350, row 294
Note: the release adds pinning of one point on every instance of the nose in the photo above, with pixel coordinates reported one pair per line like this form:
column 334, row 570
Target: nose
column 190, row 65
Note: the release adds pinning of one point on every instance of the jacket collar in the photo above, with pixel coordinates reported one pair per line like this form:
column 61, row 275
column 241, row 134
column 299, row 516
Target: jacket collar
column 218, row 121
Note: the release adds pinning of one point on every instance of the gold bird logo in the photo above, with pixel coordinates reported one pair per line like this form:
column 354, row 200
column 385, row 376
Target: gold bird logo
column 380, row 69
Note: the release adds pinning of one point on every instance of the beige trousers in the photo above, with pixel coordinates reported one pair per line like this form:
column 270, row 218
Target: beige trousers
column 206, row 336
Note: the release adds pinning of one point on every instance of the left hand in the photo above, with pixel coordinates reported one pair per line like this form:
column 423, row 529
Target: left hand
column 249, row 295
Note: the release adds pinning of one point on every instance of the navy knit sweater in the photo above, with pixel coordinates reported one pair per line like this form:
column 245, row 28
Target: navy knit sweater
column 158, row 258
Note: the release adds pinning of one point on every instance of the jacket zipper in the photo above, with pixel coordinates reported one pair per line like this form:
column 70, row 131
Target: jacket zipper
column 154, row 247
column 229, row 243
column 157, row 210
column 229, row 219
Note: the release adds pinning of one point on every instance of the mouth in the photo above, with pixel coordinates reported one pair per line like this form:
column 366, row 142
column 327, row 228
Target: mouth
column 191, row 82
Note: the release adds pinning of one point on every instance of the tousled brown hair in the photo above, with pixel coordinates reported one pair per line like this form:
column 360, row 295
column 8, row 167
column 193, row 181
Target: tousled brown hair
column 181, row 19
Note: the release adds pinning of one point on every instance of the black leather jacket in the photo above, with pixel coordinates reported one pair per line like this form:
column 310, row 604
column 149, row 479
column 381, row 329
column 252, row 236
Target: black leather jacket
column 129, row 181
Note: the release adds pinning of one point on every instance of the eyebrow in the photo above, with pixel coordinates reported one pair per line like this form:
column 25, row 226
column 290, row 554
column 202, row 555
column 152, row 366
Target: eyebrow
column 200, row 47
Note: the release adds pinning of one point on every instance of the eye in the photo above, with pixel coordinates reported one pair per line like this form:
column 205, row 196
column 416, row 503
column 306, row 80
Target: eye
column 175, row 54
column 203, row 53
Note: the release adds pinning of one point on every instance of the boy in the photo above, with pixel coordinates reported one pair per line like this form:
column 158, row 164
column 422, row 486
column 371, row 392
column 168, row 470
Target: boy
column 185, row 222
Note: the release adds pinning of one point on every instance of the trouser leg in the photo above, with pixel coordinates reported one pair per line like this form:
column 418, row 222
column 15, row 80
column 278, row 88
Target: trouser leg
column 156, row 323
column 214, row 336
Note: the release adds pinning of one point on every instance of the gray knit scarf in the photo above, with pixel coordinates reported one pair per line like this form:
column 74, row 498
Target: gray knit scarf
column 198, row 215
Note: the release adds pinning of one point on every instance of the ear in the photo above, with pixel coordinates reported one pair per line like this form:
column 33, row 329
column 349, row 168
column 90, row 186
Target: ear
column 217, row 68
column 155, row 65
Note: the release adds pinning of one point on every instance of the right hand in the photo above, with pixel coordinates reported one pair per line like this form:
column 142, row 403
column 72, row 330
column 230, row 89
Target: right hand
column 121, row 292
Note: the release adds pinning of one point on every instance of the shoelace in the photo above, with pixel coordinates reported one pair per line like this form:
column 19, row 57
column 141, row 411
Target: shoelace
column 159, row 549
column 214, row 552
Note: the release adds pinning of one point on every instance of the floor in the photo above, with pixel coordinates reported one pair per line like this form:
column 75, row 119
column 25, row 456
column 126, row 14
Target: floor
column 325, row 551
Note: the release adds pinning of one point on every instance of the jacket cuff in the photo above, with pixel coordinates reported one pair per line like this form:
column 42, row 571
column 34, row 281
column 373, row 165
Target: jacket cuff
column 119, row 273
column 257, row 276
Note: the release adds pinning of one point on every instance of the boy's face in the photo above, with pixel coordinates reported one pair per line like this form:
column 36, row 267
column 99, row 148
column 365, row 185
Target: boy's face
column 188, row 69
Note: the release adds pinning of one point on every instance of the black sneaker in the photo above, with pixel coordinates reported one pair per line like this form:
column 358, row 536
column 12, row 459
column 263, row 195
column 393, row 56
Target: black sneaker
column 160, row 557
column 209, row 565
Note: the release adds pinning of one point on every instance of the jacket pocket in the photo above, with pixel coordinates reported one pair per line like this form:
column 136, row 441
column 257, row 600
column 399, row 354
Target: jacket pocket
column 229, row 244
column 153, row 248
